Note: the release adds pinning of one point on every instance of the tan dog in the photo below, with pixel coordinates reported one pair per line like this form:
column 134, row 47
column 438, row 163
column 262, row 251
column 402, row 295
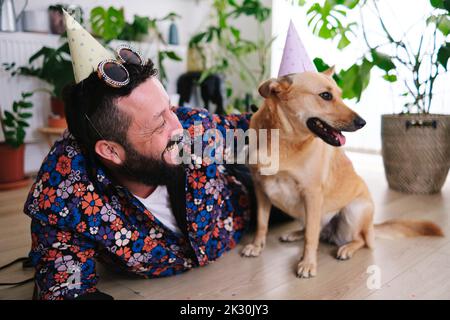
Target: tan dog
column 316, row 182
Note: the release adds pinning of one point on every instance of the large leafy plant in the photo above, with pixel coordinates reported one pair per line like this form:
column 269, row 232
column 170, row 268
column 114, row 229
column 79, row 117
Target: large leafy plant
column 14, row 122
column 394, row 56
column 232, row 53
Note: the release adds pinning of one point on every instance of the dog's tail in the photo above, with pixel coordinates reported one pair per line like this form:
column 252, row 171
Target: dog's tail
column 399, row 228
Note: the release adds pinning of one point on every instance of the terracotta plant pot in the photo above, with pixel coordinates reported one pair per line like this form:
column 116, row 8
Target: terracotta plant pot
column 12, row 167
column 57, row 122
column 57, row 106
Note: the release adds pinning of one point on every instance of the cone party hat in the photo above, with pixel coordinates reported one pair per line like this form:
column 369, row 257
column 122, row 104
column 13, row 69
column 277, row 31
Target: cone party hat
column 295, row 58
column 85, row 50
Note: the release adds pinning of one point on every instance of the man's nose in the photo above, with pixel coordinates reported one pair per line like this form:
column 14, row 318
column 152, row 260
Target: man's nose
column 177, row 134
column 359, row 122
column 174, row 121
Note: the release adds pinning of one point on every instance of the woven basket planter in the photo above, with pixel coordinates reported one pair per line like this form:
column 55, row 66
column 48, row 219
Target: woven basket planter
column 416, row 151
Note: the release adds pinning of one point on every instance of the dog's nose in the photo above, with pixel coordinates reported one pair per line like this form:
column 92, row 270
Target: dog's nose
column 359, row 122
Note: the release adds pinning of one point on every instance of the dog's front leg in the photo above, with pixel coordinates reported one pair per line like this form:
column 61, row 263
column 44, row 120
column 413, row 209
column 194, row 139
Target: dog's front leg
column 254, row 249
column 307, row 266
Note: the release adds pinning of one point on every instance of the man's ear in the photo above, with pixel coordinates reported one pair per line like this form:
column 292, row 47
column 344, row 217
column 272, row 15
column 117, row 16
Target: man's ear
column 274, row 87
column 329, row 72
column 110, row 151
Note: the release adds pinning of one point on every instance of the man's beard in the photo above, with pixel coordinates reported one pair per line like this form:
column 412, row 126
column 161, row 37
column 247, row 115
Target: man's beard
column 147, row 170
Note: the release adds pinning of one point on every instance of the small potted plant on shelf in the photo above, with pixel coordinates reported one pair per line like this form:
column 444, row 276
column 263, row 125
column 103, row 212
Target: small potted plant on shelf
column 13, row 124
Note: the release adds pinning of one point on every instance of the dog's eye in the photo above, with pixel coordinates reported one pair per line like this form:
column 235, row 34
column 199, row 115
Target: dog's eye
column 326, row 95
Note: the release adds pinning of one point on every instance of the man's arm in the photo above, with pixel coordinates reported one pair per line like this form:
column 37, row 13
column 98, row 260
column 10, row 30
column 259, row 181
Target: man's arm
column 188, row 116
column 64, row 263
column 233, row 121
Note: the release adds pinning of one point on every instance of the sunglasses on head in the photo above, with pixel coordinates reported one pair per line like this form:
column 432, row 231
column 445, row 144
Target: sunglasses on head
column 113, row 71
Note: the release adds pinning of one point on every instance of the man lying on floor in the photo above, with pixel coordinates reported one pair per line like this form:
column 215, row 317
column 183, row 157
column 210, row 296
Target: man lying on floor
column 109, row 190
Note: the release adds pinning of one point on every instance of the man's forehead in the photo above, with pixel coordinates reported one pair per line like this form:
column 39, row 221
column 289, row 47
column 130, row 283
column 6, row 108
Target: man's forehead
column 148, row 99
column 151, row 89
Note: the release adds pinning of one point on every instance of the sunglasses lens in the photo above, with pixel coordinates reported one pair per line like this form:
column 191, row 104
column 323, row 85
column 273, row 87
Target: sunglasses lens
column 129, row 56
column 115, row 71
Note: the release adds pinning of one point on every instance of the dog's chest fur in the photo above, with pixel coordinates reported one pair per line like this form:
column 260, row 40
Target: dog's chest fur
column 283, row 191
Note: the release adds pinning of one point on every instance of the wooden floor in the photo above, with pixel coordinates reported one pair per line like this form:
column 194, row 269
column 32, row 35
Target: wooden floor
column 409, row 268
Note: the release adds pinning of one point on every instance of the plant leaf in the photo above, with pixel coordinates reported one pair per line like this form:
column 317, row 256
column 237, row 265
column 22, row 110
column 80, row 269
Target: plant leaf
column 438, row 4
column 171, row 55
column 10, row 123
column 26, row 94
column 107, row 24
column 447, row 5
column 444, row 25
column 382, row 61
column 9, row 115
column 390, row 77
column 23, row 123
column 444, row 54
column 25, row 115
column 197, row 38
column 26, row 104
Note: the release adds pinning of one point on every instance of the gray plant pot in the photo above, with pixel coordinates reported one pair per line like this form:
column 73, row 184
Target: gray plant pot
column 416, row 151
column 36, row 21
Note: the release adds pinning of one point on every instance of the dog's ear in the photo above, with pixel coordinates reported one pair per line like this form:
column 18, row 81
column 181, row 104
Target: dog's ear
column 274, row 87
column 267, row 87
column 329, row 72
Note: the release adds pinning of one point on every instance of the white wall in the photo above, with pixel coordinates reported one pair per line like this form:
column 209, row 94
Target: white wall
column 380, row 97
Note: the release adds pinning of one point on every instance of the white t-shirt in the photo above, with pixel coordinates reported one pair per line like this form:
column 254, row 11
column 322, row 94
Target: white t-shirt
column 159, row 205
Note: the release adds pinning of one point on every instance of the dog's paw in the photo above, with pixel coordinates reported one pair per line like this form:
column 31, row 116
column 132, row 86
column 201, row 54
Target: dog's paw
column 306, row 269
column 345, row 252
column 292, row 236
column 251, row 250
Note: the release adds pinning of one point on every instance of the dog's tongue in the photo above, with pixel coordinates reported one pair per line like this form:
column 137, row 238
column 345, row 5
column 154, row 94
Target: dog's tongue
column 340, row 137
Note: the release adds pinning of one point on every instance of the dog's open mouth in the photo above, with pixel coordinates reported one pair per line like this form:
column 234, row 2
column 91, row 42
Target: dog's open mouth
column 326, row 132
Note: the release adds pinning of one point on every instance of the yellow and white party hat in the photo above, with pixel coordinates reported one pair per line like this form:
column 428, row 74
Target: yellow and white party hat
column 86, row 52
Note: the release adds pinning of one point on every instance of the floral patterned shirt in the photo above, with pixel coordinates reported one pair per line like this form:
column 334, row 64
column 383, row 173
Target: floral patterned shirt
column 79, row 215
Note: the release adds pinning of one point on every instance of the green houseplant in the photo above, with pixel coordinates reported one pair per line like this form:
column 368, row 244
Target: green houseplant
column 13, row 124
column 415, row 143
column 231, row 53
